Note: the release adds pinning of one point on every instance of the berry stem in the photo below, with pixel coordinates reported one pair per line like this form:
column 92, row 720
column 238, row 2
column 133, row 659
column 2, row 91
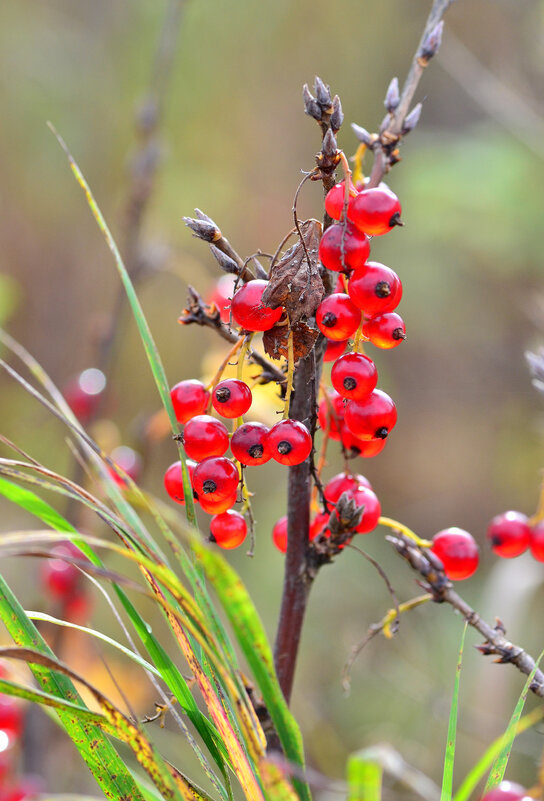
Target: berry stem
column 242, row 355
column 396, row 526
column 358, row 175
column 290, row 373
column 222, row 367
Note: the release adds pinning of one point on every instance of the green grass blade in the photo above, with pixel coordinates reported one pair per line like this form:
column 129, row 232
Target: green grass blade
column 449, row 757
column 498, row 768
column 150, row 347
column 251, row 636
column 33, row 504
column 364, row 775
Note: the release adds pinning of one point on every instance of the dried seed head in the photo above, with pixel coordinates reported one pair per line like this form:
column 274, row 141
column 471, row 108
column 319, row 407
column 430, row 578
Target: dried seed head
column 311, row 106
column 362, row 134
column 202, row 229
column 227, row 264
column 392, row 96
column 337, row 116
column 432, row 43
column 411, row 119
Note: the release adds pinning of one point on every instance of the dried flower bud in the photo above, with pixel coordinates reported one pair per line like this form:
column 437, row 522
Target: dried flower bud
column 329, row 146
column 432, row 43
column 311, row 106
column 227, row 264
column 202, row 229
column 411, row 119
column 337, row 116
column 322, row 93
column 201, row 216
column 348, row 514
column 392, row 96
column 362, row 134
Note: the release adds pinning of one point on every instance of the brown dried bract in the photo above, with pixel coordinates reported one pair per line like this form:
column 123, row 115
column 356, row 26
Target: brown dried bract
column 294, row 283
column 275, row 340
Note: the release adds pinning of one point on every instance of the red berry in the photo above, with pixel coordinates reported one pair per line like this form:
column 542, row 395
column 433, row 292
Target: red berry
column 334, row 201
column 371, row 418
column 205, row 436
column 330, row 414
column 334, row 350
column 458, row 552
column 337, row 318
column 343, row 247
column 366, row 448
column 509, row 534
column 11, row 716
column 84, row 393
column 249, row 444
column 319, row 525
column 537, row 542
column 221, row 296
column 385, row 330
column 189, row 398
column 215, row 478
column 61, row 578
column 279, row 534
column 344, row 482
column 249, row 311
column 228, row 529
column 375, row 211
column 507, row 791
column 231, row 398
column 290, row 442
column 216, row 507
column 173, row 481
column 364, row 496
column 130, row 463
column 354, row 376
column 375, row 288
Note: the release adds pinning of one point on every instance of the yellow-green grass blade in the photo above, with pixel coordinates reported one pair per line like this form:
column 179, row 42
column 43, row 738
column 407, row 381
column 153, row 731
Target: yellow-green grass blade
column 364, row 776
column 251, row 636
column 449, row 756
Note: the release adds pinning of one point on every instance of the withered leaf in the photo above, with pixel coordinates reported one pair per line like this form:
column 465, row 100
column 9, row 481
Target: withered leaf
column 275, row 340
column 295, row 284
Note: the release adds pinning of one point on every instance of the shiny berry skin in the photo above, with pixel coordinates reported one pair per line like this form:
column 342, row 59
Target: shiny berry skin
column 385, row 330
column 337, row 318
column 354, row 376
column 221, row 296
column 363, row 496
column 509, row 534
column 249, row 444
column 279, row 534
column 343, row 247
column 334, row 201
column 231, row 398
column 228, row 530
column 215, row 478
column 375, row 211
column 84, row 393
column 189, row 398
column 205, row 436
column 344, row 482
column 536, row 543
column 216, row 507
column 290, row 442
column 319, row 525
column 372, row 418
column 62, row 579
column 330, row 414
column 173, row 481
column 507, row 791
column 458, row 552
column 375, row 288
column 248, row 310
column 365, row 448
column 334, row 350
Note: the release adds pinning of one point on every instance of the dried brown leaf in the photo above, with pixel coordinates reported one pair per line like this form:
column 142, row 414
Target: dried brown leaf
column 275, row 340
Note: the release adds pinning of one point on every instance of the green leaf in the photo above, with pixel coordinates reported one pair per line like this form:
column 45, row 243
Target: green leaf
column 364, row 775
column 32, row 503
column 449, row 757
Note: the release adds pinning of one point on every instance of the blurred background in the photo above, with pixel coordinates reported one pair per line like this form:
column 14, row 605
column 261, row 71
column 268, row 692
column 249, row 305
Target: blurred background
column 231, row 139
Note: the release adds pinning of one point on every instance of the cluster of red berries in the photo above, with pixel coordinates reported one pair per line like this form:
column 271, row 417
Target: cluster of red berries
column 512, row 533
column 13, row 787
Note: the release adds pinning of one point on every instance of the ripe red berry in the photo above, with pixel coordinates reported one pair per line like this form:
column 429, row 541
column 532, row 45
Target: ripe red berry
column 354, row 376
column 334, row 201
column 249, row 444
column 536, row 543
column 279, row 534
column 215, row 478
column 355, row 446
column 189, row 398
column 290, row 442
column 364, row 496
column 509, row 534
column 84, row 393
column 385, row 330
column 11, row 716
column 334, row 350
column 129, row 461
column 343, row 247
column 371, row 418
column 507, row 791
column 319, row 525
column 344, row 482
column 336, row 317
column 61, row 579
column 173, row 481
column 375, row 288
column 217, row 507
column 458, row 552
column 205, row 436
column 231, row 398
column 221, row 296
column 375, row 211
column 228, row 529
column 248, row 309
column 330, row 414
